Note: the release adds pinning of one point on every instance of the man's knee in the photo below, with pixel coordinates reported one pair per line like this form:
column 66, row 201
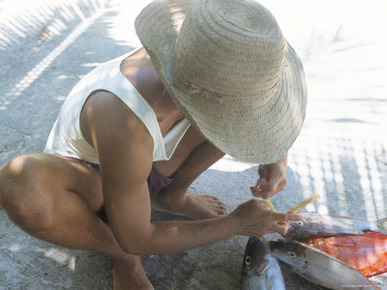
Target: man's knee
column 18, row 192
column 15, row 174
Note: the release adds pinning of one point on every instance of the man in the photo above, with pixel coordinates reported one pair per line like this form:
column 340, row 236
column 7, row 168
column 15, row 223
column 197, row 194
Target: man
column 213, row 77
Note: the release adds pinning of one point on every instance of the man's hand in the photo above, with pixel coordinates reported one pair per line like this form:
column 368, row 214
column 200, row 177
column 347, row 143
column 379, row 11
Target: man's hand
column 272, row 179
column 256, row 219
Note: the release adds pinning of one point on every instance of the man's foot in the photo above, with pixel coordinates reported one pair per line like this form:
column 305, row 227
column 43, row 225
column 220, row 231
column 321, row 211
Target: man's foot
column 196, row 206
column 130, row 275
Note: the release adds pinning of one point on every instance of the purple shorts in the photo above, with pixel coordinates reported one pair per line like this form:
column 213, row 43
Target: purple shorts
column 156, row 181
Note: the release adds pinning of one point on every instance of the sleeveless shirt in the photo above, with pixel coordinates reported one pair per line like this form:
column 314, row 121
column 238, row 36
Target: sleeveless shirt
column 66, row 138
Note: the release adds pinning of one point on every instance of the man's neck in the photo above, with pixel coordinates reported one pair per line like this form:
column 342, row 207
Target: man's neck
column 139, row 70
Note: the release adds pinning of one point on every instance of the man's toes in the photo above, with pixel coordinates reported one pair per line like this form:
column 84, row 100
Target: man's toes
column 222, row 211
column 221, row 208
column 225, row 209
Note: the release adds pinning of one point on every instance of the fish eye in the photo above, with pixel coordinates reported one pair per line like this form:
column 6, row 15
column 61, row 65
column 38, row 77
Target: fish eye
column 292, row 254
column 248, row 261
column 300, row 223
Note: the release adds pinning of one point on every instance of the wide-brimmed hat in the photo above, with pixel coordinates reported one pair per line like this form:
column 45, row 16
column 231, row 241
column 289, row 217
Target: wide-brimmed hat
column 230, row 71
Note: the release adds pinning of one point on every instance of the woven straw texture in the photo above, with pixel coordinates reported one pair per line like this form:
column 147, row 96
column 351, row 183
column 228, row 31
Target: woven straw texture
column 230, row 71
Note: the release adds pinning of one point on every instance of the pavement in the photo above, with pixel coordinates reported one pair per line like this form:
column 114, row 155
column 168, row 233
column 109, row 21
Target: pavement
column 46, row 46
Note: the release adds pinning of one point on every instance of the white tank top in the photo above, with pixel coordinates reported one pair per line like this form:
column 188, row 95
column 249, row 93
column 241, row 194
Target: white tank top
column 66, row 138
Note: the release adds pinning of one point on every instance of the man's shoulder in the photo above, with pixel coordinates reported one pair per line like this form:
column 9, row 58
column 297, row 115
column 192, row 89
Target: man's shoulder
column 107, row 116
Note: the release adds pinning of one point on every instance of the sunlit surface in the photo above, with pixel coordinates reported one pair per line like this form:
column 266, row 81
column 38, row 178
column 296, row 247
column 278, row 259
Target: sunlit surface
column 339, row 152
column 19, row 18
column 33, row 74
column 61, row 257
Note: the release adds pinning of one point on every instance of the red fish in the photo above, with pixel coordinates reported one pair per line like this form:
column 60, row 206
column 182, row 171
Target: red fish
column 366, row 253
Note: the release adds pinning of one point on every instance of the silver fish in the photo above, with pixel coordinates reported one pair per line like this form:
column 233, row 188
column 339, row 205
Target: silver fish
column 365, row 226
column 317, row 225
column 260, row 269
column 318, row 267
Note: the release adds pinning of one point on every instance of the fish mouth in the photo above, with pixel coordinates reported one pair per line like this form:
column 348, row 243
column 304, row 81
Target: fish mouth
column 258, row 257
column 264, row 267
column 258, row 269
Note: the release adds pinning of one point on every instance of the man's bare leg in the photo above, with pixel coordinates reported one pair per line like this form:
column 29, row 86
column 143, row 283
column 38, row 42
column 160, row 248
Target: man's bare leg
column 192, row 157
column 55, row 199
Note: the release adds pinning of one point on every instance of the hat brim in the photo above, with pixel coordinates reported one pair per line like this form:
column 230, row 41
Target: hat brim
column 260, row 132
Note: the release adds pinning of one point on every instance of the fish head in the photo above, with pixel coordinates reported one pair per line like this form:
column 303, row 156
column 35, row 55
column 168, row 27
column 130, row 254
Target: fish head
column 296, row 229
column 290, row 252
column 319, row 225
column 257, row 256
column 260, row 270
column 310, row 226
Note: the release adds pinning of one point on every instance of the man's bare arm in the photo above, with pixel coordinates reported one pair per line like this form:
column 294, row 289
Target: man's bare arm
column 125, row 151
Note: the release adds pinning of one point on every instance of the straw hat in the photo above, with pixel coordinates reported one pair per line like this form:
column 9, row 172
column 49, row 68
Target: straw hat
column 229, row 70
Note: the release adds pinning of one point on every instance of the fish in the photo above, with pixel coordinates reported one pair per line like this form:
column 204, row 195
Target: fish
column 318, row 225
column 366, row 253
column 318, row 267
column 365, row 226
column 260, row 270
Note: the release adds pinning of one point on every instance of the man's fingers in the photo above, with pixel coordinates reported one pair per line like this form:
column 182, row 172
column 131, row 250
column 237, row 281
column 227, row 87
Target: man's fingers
column 280, row 228
column 260, row 191
column 257, row 189
column 263, row 188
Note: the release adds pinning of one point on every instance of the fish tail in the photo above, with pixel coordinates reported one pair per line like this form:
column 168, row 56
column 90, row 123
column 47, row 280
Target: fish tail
column 382, row 224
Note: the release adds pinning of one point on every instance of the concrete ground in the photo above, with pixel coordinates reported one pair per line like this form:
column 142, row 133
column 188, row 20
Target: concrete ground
column 46, row 46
